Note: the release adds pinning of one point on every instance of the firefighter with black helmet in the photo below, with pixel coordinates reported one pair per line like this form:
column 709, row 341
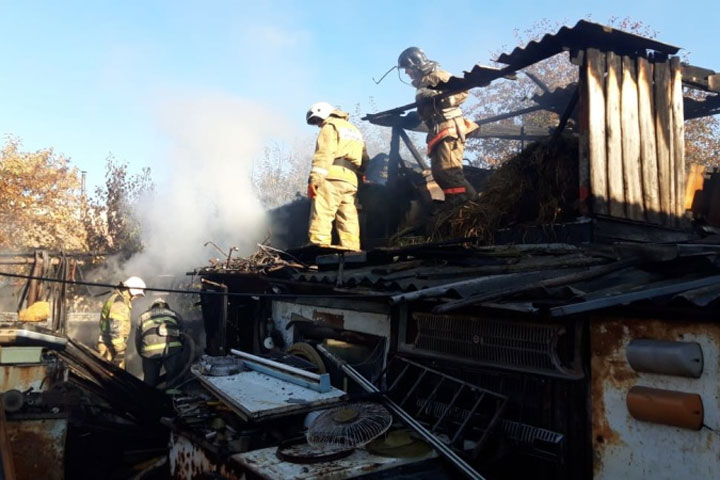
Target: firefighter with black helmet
column 340, row 157
column 158, row 339
column 447, row 128
column 115, row 320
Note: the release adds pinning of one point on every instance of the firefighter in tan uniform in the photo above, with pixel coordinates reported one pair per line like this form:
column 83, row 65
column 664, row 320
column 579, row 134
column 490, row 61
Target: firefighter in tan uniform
column 447, row 128
column 340, row 157
column 115, row 320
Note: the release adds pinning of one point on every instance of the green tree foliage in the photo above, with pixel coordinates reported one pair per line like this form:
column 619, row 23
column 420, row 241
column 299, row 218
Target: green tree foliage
column 41, row 200
column 111, row 218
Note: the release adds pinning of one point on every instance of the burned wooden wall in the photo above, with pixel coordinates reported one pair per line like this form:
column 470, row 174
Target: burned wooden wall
column 632, row 148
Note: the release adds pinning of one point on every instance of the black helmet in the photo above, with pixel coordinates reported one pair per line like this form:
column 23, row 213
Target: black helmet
column 413, row 58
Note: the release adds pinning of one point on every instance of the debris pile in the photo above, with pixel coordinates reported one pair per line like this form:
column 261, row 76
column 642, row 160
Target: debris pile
column 266, row 259
column 539, row 185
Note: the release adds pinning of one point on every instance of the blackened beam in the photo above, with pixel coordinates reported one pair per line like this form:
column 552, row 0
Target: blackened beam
column 411, row 146
column 701, row 108
column 701, row 78
column 484, row 80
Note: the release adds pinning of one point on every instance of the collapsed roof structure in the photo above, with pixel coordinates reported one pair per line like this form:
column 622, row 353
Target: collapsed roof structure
column 577, row 325
column 581, row 348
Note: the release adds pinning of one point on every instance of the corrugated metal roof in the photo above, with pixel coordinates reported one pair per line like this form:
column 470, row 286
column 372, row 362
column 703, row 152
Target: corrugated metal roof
column 583, row 35
column 564, row 283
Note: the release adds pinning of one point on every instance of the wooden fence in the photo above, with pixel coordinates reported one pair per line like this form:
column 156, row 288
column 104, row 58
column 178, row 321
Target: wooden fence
column 632, row 149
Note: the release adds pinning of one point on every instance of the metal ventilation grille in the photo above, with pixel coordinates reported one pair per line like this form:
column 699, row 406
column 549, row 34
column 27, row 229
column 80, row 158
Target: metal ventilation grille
column 543, row 442
column 513, row 345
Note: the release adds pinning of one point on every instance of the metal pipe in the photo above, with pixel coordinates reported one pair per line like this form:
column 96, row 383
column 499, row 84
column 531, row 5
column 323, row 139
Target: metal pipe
column 443, row 449
column 276, row 365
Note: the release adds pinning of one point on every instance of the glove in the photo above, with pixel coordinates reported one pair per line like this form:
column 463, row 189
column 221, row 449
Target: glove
column 311, row 191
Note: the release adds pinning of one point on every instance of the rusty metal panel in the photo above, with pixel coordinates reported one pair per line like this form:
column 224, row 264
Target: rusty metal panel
column 188, row 461
column 266, row 464
column 38, row 447
column 625, row 447
column 22, row 377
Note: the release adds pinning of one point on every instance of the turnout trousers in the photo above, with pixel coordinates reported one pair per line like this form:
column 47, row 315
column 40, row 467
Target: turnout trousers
column 335, row 200
column 446, row 165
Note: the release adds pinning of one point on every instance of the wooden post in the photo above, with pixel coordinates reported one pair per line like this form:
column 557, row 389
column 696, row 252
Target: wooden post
column 595, row 65
column 664, row 141
column 631, row 141
column 583, row 144
column 678, row 115
column 613, row 126
column 648, row 150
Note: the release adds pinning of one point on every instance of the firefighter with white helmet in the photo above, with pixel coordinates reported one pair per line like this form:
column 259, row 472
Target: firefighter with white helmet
column 115, row 320
column 447, row 128
column 340, row 157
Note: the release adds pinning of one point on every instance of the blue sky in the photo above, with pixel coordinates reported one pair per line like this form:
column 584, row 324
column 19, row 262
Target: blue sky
column 90, row 78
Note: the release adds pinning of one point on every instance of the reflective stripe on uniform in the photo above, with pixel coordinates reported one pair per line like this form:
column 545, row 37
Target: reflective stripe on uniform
column 161, row 346
column 319, row 170
column 441, row 134
column 349, row 134
column 454, row 190
column 157, row 321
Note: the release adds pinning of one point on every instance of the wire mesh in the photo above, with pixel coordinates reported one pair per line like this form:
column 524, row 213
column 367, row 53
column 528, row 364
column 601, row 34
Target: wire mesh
column 349, row 426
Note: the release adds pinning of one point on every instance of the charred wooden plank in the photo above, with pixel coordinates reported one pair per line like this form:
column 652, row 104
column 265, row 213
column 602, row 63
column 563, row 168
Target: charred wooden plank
column 631, row 141
column 678, row 116
column 663, row 139
column 614, row 136
column 648, row 149
column 702, row 78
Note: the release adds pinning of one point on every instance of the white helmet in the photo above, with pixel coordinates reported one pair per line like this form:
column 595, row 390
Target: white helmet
column 318, row 113
column 135, row 285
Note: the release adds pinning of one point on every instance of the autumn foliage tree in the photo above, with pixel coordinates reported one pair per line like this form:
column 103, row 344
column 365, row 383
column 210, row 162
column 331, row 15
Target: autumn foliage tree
column 41, row 201
column 110, row 216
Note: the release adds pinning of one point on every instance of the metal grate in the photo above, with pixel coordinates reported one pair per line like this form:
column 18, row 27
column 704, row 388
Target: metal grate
column 543, row 442
column 507, row 344
column 451, row 409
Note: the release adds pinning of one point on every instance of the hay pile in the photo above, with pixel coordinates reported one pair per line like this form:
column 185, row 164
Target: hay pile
column 537, row 186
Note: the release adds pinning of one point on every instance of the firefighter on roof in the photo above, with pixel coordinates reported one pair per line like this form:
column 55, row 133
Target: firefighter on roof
column 447, row 128
column 340, row 157
column 115, row 320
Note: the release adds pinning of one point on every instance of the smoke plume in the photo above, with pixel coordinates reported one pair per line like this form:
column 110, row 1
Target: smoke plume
column 207, row 194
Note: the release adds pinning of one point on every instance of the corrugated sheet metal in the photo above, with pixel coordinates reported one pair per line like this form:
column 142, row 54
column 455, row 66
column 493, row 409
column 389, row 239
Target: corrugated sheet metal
column 583, row 35
column 681, row 274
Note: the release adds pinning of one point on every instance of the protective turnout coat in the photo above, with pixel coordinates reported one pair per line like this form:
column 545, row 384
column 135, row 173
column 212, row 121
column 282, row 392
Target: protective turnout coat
column 115, row 327
column 447, row 129
column 158, row 333
column 340, row 156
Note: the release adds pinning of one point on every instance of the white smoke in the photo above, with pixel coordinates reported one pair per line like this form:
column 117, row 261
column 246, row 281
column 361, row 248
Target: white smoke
column 214, row 138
